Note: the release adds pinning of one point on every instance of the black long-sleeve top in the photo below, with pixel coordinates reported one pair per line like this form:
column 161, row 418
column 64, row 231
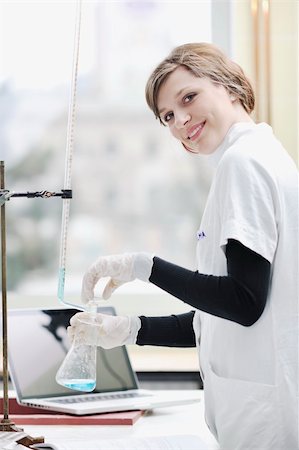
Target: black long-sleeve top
column 240, row 296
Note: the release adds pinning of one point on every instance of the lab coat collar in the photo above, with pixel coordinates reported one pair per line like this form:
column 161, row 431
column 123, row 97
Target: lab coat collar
column 235, row 131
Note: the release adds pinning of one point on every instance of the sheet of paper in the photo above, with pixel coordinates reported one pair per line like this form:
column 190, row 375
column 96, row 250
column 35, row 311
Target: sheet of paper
column 8, row 440
column 178, row 442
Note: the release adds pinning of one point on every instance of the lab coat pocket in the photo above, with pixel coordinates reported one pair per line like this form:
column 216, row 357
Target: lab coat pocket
column 245, row 414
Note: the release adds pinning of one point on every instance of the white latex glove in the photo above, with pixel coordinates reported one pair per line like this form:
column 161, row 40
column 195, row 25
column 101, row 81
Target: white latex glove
column 121, row 268
column 103, row 330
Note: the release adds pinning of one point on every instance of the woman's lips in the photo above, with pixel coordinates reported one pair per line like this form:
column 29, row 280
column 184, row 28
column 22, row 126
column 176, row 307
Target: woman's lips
column 195, row 131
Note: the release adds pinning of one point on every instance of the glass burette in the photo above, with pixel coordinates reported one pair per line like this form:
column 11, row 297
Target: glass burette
column 78, row 369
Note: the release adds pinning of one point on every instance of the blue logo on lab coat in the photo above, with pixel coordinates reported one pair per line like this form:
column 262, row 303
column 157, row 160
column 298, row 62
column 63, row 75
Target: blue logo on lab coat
column 200, row 235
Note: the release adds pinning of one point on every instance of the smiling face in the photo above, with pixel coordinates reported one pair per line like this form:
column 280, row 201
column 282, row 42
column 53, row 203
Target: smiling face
column 197, row 111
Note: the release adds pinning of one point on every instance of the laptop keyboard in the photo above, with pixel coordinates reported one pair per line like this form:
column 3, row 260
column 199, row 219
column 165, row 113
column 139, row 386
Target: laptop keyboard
column 95, row 398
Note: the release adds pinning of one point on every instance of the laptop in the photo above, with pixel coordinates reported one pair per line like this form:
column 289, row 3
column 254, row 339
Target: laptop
column 37, row 345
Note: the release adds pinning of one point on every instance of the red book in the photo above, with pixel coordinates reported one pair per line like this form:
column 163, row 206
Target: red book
column 26, row 415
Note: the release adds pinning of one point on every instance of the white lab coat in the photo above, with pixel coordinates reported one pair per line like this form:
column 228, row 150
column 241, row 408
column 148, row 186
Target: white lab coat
column 250, row 374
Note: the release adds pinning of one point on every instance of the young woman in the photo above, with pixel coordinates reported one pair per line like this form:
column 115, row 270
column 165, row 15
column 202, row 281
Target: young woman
column 244, row 293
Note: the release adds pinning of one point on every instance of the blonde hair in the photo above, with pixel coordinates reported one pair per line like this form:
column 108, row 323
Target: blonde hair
column 205, row 61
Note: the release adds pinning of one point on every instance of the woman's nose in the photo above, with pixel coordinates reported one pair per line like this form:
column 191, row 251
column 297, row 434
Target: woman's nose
column 181, row 119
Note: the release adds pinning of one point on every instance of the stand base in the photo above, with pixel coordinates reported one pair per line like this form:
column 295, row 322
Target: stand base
column 27, row 441
column 8, row 425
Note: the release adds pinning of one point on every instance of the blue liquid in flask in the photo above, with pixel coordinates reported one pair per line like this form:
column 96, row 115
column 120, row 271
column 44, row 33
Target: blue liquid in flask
column 79, row 385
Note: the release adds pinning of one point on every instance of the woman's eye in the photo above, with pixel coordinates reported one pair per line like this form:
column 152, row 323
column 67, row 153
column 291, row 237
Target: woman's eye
column 167, row 117
column 188, row 98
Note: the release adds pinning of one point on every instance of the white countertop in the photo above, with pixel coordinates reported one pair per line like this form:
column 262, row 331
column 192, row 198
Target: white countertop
column 174, row 420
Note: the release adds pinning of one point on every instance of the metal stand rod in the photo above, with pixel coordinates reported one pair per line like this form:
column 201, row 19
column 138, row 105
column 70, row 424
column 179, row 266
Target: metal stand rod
column 4, row 305
column 6, row 424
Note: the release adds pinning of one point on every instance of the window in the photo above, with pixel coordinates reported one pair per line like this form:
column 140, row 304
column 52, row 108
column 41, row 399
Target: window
column 134, row 188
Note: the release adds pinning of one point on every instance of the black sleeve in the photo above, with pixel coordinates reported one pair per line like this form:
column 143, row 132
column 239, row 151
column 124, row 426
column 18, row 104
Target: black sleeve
column 240, row 296
column 169, row 331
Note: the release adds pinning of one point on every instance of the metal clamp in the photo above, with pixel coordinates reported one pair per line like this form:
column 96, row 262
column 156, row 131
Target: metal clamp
column 6, row 195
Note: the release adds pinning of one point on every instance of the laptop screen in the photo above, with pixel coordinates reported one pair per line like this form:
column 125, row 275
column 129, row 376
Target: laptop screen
column 37, row 345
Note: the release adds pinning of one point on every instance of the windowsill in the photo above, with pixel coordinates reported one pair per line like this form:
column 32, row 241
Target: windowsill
column 163, row 359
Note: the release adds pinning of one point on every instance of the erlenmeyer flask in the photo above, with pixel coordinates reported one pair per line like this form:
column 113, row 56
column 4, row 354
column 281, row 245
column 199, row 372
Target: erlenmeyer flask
column 78, row 369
